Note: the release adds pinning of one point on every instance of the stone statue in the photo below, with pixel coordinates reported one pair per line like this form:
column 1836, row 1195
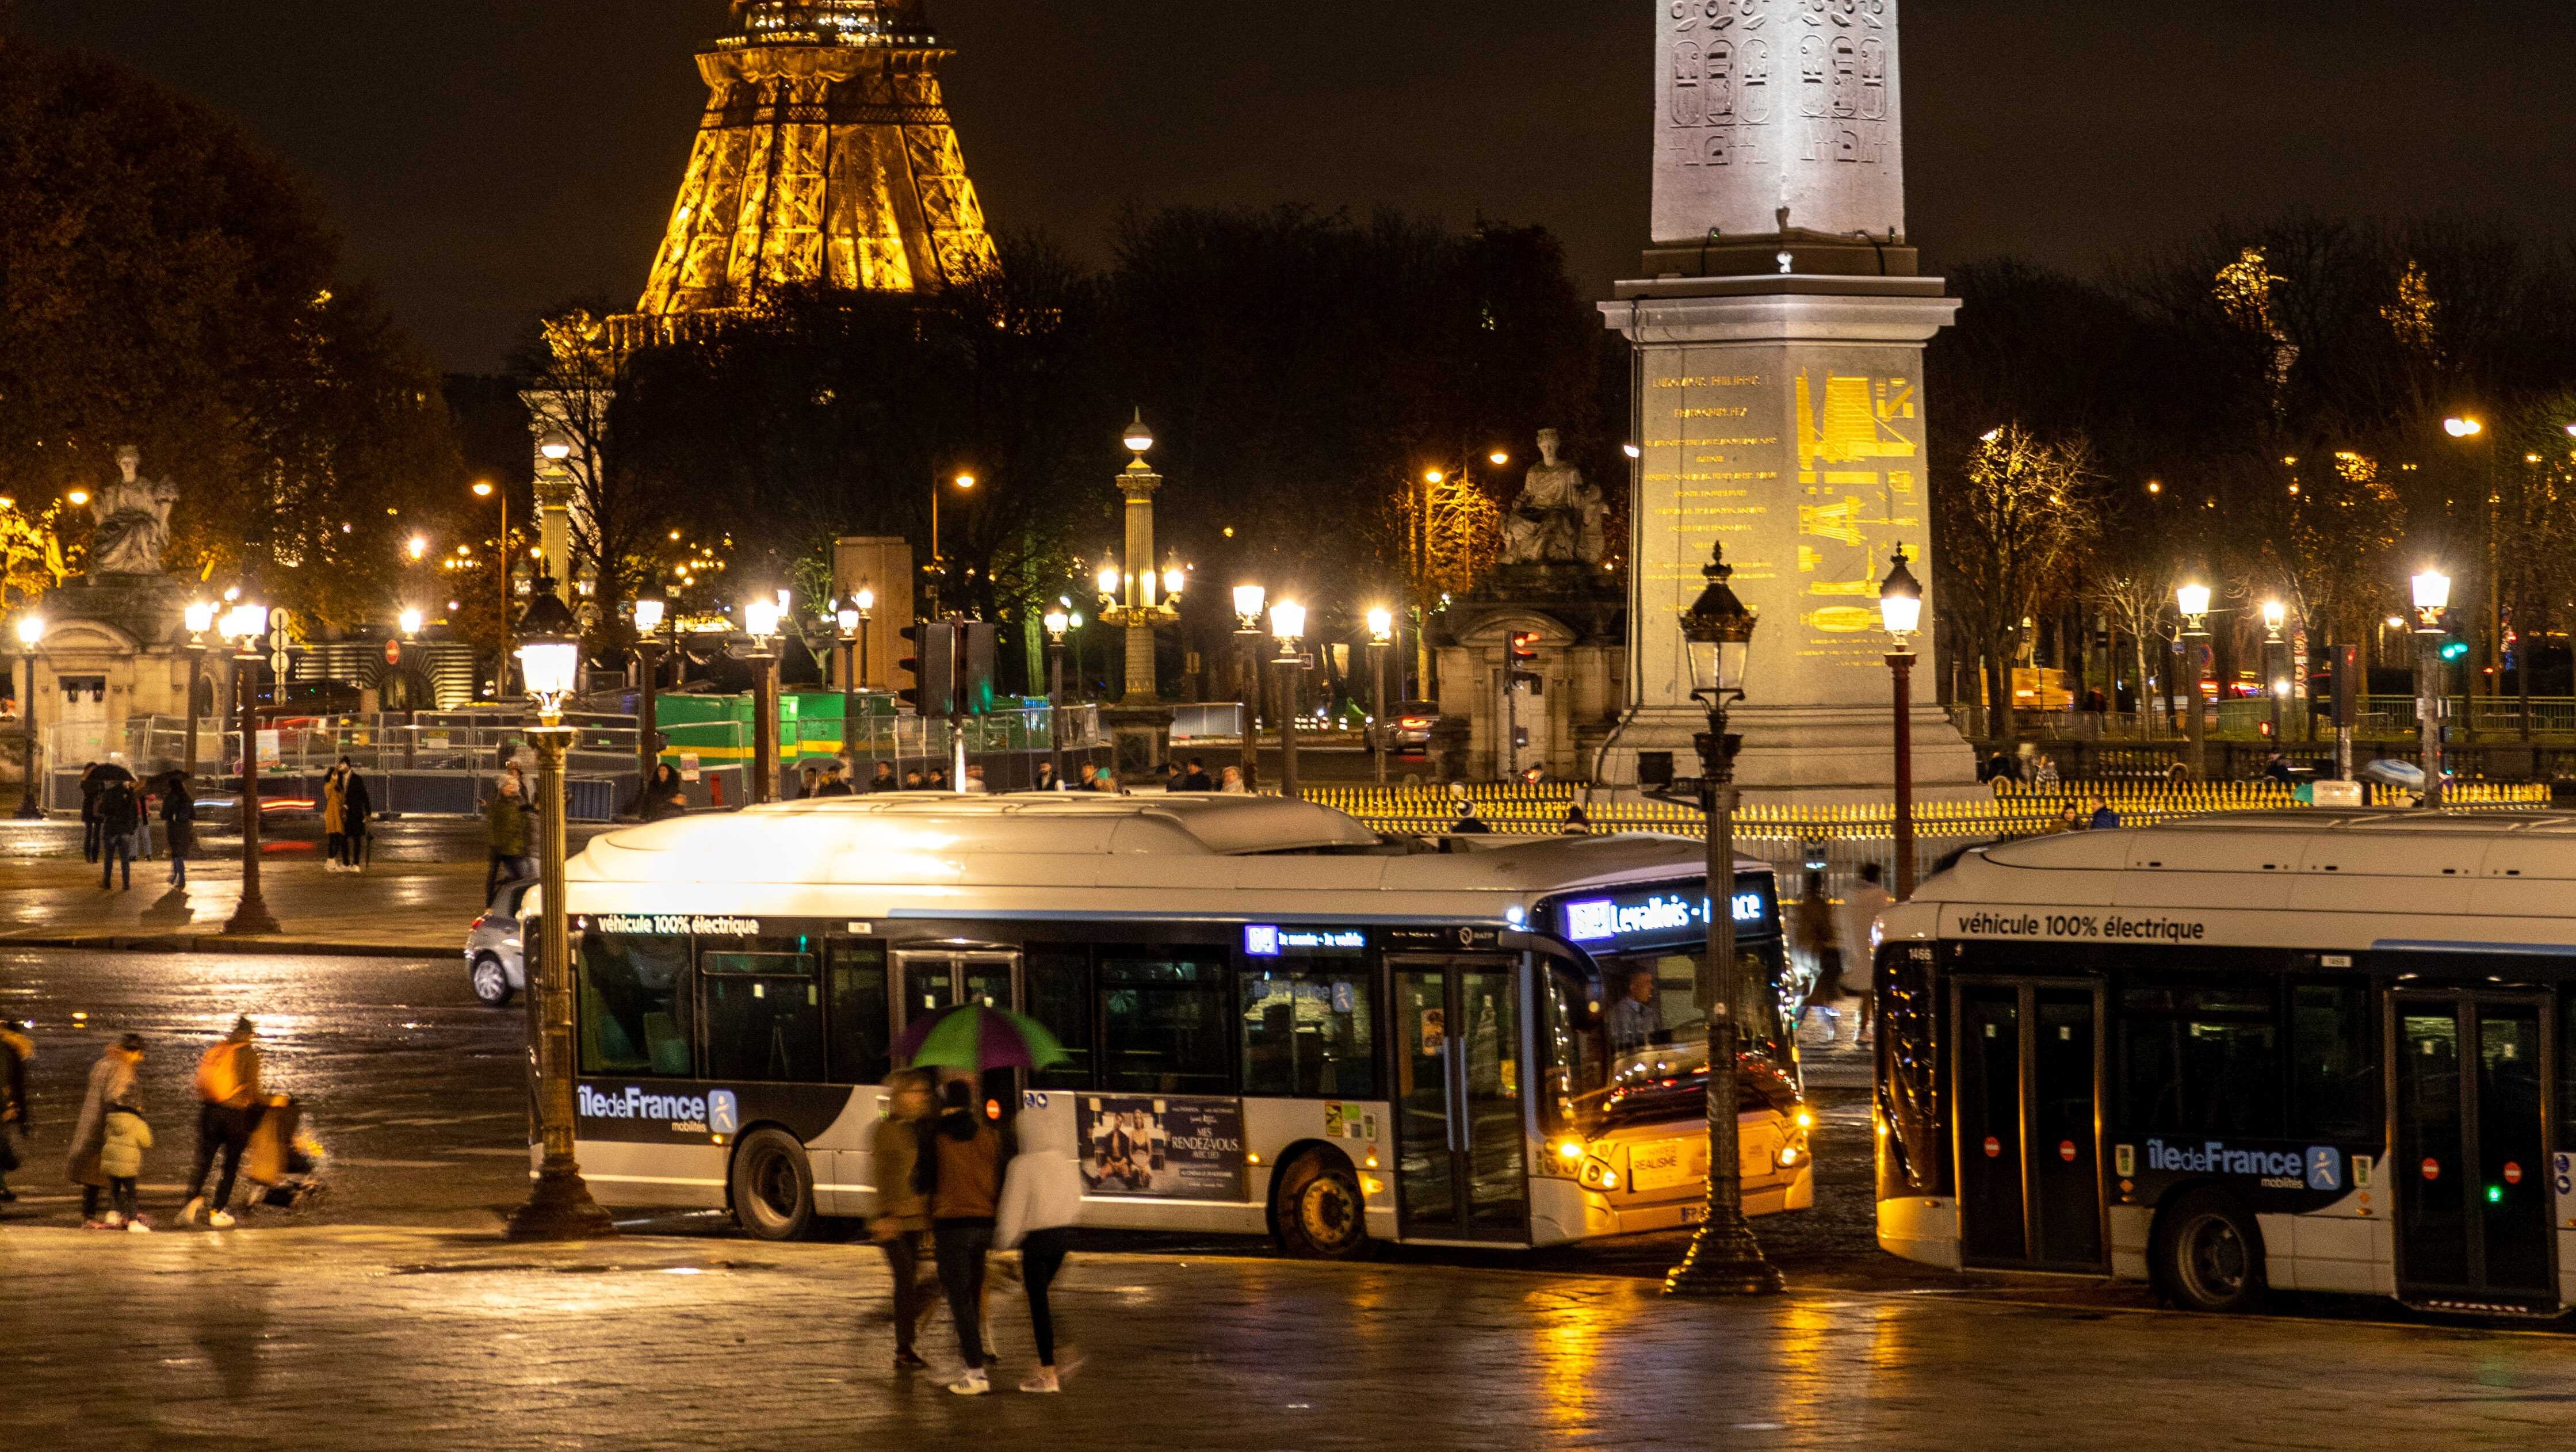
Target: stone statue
column 133, row 515
column 1559, row 516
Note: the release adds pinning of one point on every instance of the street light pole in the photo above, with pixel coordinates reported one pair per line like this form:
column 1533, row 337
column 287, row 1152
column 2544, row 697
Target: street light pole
column 648, row 716
column 1900, row 609
column 760, row 621
column 1287, row 628
column 248, row 624
column 2274, row 675
column 1724, row 1257
column 559, row 1205
column 1057, row 622
column 2193, row 600
column 201, row 618
column 1248, row 601
column 1381, row 624
column 2432, row 591
column 31, row 631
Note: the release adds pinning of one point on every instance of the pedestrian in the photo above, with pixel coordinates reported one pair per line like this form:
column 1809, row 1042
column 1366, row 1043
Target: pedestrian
column 667, row 797
column 1812, row 935
column 505, row 832
column 975, row 782
column 1861, row 907
column 2104, row 819
column 1578, row 823
column 118, row 811
column 178, row 824
column 228, row 1109
column 142, row 821
column 1048, row 780
column 1233, row 785
column 1041, row 1196
column 357, row 808
column 335, row 816
column 2278, row 769
column 2070, row 817
column 90, row 782
column 802, row 785
column 1197, row 779
column 110, row 1079
column 902, row 1213
column 17, row 1121
column 834, row 784
column 1090, row 777
column 938, row 779
column 1468, row 822
column 962, row 1164
column 123, row 1139
column 884, row 780
column 913, row 781
column 1173, row 776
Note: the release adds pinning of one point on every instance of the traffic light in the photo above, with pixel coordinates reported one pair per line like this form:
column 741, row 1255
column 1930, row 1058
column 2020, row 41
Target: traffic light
column 1523, row 659
column 2455, row 637
column 933, row 666
column 977, row 651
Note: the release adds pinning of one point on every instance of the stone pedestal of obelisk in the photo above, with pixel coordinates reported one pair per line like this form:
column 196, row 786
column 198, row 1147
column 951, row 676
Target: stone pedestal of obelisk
column 1780, row 401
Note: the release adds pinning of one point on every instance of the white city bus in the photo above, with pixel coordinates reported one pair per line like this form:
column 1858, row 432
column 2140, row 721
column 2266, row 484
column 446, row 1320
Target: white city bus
column 1278, row 1021
column 2322, row 1052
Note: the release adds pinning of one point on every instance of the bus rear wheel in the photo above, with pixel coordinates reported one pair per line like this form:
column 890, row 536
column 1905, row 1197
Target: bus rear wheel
column 2209, row 1255
column 1321, row 1213
column 773, row 1186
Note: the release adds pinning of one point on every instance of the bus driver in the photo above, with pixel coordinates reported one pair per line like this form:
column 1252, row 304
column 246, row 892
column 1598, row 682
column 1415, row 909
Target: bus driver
column 1636, row 1018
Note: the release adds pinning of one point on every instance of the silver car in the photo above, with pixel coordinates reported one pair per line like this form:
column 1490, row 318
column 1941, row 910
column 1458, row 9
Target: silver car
column 493, row 962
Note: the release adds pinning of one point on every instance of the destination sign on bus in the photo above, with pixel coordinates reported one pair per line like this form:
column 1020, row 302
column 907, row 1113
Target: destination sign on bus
column 1269, row 940
column 1641, row 916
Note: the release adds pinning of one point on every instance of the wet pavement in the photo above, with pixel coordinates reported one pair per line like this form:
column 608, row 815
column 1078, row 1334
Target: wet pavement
column 401, row 907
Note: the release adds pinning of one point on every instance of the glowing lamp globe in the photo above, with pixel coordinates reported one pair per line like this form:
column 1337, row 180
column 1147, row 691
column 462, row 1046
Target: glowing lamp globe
column 1381, row 625
column 1900, row 601
column 760, row 619
column 848, row 619
column 1288, row 621
column 1248, row 600
column 31, row 629
column 1057, row 623
column 201, row 617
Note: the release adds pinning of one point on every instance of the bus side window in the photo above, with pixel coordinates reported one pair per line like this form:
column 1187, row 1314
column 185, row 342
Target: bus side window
column 1165, row 1021
column 1059, row 988
column 637, row 1006
column 2334, row 1065
column 764, row 1017
column 2200, row 1059
column 1310, row 1034
column 860, row 1016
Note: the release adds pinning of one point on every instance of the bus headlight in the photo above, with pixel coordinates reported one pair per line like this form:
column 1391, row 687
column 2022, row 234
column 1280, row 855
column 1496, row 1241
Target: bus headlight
column 1788, row 1156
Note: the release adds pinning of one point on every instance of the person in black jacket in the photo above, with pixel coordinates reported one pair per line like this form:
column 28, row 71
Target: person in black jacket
column 178, row 824
column 90, row 782
column 355, row 808
column 118, row 811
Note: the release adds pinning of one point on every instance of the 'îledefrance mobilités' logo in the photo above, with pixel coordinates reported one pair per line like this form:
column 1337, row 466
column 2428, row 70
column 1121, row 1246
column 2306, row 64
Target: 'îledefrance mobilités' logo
column 724, row 1116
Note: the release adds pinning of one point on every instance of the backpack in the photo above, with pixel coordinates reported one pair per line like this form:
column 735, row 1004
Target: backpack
column 219, row 1079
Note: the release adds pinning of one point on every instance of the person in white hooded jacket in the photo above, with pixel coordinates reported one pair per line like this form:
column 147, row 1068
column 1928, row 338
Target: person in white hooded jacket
column 1041, row 1198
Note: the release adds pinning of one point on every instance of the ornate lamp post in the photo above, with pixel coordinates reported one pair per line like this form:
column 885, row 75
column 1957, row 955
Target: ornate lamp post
column 1057, row 622
column 1724, row 1258
column 2276, row 680
column 2193, row 600
column 2432, row 597
column 1381, row 624
column 1128, row 588
column 850, row 621
column 201, row 618
column 31, row 633
column 760, row 622
column 1900, row 609
column 1248, row 601
column 559, row 1206
column 246, row 625
column 648, row 718
column 1287, row 628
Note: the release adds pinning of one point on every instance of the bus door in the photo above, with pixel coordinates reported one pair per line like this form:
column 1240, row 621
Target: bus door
column 2027, row 1068
column 928, row 981
column 1461, row 1156
column 2472, row 1163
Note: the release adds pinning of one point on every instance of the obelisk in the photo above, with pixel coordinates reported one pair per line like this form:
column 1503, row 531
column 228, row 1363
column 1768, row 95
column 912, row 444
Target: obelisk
column 1780, row 327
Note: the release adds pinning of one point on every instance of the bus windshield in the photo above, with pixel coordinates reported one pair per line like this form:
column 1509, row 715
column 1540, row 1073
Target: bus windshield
column 1633, row 1045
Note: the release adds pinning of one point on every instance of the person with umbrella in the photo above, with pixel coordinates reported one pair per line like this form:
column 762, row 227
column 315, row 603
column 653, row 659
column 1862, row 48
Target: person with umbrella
column 960, row 1165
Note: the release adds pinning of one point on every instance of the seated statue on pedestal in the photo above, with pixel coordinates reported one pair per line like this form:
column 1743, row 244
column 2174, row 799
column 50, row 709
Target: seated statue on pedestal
column 133, row 515
column 1559, row 515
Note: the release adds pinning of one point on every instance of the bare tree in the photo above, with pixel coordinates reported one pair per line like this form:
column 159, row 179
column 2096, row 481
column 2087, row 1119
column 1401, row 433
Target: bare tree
column 2012, row 526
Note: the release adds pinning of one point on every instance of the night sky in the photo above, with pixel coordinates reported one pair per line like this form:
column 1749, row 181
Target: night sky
column 488, row 158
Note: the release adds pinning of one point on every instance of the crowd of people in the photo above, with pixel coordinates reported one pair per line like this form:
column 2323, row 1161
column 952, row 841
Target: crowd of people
column 111, row 1135
column 117, row 810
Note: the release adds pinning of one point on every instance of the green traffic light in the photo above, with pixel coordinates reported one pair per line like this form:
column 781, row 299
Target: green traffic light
column 2454, row 649
column 2495, row 1194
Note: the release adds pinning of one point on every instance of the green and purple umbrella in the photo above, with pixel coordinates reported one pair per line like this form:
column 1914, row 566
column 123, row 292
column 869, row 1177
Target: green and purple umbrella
column 975, row 1038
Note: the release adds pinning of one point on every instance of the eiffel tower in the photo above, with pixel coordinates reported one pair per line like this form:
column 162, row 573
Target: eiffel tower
column 825, row 156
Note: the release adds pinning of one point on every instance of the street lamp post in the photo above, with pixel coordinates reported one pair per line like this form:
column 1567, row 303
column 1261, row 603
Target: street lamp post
column 2193, row 600
column 2432, row 597
column 1724, row 1257
column 648, row 711
column 246, row 625
column 1381, row 624
column 1900, row 609
column 2276, row 669
column 559, row 1206
column 31, row 633
column 849, row 618
column 760, row 622
column 965, row 483
column 1248, row 601
column 486, row 489
column 201, row 618
column 1287, row 628
column 1057, row 622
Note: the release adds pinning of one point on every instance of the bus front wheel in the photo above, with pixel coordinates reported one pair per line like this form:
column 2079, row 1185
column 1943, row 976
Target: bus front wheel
column 1322, row 1215
column 2209, row 1255
column 773, row 1186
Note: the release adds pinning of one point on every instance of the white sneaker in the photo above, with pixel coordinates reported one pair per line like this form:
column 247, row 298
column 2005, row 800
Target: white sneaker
column 973, row 1384
column 137, row 1227
column 188, row 1213
column 219, row 1221
column 114, row 1221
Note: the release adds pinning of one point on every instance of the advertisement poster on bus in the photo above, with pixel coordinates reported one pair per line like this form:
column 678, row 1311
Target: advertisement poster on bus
column 1170, row 1149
